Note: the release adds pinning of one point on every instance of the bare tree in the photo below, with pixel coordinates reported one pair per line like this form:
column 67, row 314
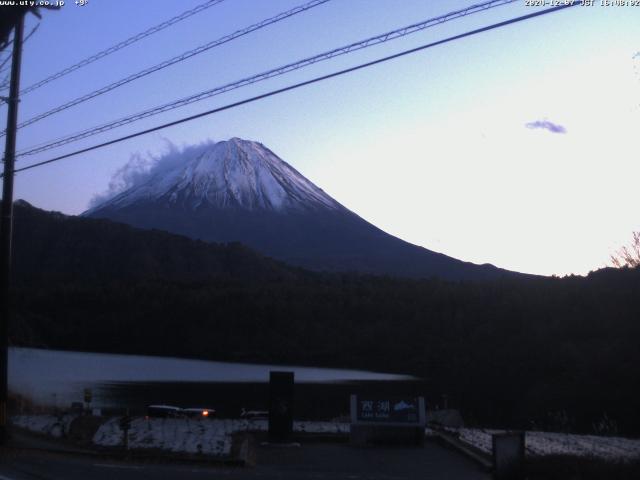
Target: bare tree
column 628, row 256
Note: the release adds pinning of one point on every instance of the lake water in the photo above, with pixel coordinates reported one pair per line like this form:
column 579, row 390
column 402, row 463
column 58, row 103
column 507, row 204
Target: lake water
column 57, row 378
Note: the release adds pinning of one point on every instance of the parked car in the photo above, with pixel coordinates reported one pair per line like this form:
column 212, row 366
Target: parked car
column 199, row 412
column 163, row 411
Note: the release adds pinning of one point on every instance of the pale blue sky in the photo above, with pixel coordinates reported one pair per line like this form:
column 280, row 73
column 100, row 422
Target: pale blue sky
column 433, row 148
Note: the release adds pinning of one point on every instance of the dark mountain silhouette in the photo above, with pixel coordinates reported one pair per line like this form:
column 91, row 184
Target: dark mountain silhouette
column 53, row 246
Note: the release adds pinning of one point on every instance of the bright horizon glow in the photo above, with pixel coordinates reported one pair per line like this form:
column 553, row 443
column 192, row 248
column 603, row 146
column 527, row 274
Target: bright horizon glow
column 435, row 148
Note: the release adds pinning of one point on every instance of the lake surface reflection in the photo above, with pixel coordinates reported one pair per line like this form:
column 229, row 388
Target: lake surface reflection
column 57, row 378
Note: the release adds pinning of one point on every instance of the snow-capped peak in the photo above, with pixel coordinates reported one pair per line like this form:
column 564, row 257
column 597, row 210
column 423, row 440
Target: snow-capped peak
column 230, row 174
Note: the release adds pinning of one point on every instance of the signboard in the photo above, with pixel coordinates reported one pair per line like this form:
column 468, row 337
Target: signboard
column 388, row 410
column 280, row 405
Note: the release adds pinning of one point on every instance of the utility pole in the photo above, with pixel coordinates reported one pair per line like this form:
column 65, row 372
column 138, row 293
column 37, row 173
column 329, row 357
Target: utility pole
column 6, row 220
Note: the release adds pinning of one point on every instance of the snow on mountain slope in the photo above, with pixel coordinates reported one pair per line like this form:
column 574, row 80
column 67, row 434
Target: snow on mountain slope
column 240, row 191
column 231, row 174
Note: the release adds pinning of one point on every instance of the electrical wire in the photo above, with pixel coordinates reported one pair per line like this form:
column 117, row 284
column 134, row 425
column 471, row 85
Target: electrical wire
column 123, row 44
column 3, row 65
column 4, row 62
column 180, row 58
column 385, row 37
column 301, row 84
column 5, row 83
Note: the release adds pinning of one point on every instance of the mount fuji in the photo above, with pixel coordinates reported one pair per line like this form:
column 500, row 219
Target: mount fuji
column 239, row 190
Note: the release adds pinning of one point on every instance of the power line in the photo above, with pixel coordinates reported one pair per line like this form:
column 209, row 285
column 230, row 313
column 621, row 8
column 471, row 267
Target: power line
column 5, row 85
column 301, row 84
column 10, row 53
column 4, row 62
column 180, row 58
column 33, row 30
column 3, row 66
column 385, row 37
column 123, row 44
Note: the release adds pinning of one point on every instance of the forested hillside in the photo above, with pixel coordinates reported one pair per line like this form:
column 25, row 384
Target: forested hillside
column 560, row 353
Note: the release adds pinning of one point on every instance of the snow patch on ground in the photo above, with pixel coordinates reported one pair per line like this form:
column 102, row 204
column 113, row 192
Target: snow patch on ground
column 209, row 437
column 171, row 434
column 214, row 436
column 53, row 425
column 203, row 436
column 322, row 427
column 178, row 435
column 548, row 443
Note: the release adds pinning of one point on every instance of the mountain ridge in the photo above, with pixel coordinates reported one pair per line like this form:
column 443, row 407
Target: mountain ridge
column 239, row 190
column 52, row 247
column 231, row 174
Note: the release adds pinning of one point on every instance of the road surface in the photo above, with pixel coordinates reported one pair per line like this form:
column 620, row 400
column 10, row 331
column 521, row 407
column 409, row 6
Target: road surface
column 314, row 461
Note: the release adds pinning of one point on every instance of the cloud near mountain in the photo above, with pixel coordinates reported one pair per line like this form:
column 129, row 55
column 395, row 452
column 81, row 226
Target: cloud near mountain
column 141, row 168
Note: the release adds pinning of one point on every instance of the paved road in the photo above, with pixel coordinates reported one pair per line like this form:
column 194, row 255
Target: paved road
column 313, row 461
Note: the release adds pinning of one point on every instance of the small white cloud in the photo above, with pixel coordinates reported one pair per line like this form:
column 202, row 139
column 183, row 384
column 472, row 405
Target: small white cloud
column 547, row 125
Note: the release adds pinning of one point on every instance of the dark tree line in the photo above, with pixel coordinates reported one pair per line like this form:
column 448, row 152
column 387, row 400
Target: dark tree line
column 513, row 352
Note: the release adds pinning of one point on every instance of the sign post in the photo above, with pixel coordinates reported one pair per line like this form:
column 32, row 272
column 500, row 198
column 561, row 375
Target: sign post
column 87, row 399
column 280, row 406
column 125, row 426
column 387, row 420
